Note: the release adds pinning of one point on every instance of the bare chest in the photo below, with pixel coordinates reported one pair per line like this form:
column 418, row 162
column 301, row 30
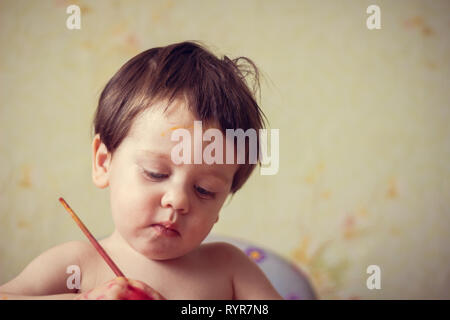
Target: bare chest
column 174, row 282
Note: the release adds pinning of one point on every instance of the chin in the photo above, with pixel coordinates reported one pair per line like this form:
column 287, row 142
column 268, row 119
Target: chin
column 159, row 253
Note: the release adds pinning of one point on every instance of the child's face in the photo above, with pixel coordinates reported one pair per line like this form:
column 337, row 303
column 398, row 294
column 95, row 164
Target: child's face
column 147, row 188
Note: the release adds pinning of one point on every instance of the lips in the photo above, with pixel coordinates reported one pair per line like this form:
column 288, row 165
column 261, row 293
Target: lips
column 165, row 229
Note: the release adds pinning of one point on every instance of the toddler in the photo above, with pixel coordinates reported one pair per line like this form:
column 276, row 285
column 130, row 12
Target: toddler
column 162, row 210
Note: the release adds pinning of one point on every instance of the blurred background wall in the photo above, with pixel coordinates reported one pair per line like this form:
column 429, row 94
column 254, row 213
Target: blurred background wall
column 364, row 122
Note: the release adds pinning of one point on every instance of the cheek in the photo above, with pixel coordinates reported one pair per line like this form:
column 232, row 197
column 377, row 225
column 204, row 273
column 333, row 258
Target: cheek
column 203, row 221
column 132, row 203
column 200, row 229
column 217, row 205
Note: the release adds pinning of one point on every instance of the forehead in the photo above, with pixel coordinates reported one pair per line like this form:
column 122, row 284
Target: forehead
column 152, row 129
column 159, row 118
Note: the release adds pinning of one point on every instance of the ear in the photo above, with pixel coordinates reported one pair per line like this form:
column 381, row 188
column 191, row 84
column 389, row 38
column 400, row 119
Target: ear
column 101, row 161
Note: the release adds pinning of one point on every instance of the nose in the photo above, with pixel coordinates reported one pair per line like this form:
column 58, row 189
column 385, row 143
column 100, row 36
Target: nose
column 177, row 198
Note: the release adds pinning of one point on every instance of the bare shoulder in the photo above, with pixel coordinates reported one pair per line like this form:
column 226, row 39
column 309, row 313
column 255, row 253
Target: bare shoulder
column 249, row 281
column 223, row 253
column 226, row 257
column 81, row 247
column 47, row 273
column 69, row 252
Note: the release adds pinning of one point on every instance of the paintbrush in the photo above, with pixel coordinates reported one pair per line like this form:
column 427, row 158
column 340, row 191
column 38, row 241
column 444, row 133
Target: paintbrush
column 91, row 238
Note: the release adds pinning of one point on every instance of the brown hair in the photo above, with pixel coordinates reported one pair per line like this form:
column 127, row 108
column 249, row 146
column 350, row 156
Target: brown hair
column 216, row 90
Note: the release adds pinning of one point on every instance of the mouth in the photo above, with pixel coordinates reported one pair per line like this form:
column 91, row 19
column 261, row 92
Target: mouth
column 165, row 230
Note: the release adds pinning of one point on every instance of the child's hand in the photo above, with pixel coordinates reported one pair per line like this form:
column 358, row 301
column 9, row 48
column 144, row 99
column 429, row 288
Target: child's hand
column 121, row 289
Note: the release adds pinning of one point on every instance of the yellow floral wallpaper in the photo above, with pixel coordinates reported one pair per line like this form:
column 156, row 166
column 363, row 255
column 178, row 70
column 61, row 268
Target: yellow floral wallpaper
column 364, row 116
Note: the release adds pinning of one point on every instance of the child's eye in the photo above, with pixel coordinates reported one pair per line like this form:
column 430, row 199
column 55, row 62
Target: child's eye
column 205, row 193
column 155, row 175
